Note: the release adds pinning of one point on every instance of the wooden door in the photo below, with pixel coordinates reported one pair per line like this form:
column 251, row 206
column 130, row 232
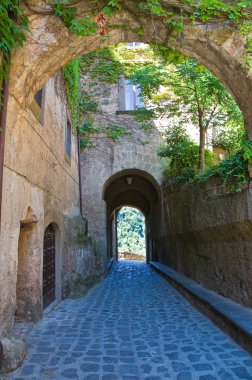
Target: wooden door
column 49, row 266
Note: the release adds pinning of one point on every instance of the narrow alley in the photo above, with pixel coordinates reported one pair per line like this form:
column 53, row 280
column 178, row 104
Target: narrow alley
column 131, row 326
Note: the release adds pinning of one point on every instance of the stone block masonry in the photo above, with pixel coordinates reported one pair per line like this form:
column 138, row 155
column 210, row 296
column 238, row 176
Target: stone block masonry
column 209, row 238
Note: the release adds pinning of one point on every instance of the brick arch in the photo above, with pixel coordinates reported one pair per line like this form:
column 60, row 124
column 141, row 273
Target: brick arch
column 50, row 45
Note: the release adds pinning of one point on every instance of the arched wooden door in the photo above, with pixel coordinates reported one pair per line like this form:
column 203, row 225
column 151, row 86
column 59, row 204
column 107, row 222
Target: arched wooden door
column 49, row 266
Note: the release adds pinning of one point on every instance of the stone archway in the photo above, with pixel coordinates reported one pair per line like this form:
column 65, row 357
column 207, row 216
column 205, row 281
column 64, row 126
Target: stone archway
column 219, row 46
column 137, row 189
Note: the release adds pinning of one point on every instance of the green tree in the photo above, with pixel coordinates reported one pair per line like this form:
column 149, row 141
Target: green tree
column 131, row 230
column 183, row 154
column 190, row 94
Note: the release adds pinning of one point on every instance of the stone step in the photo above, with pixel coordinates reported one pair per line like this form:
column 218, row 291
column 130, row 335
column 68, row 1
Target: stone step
column 233, row 318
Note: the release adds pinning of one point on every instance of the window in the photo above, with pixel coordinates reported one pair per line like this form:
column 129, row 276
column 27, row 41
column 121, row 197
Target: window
column 37, row 106
column 38, row 97
column 68, row 140
column 136, row 44
column 132, row 96
column 129, row 96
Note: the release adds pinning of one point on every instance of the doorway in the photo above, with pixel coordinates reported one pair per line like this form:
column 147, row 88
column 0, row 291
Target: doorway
column 131, row 239
column 49, row 251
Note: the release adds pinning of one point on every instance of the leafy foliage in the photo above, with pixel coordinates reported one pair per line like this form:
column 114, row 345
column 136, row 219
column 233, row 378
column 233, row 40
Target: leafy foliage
column 229, row 139
column 131, row 230
column 192, row 95
column 233, row 171
column 83, row 26
column 109, row 63
column 72, row 83
column 183, row 154
column 114, row 132
column 12, row 32
column 86, row 103
column 174, row 16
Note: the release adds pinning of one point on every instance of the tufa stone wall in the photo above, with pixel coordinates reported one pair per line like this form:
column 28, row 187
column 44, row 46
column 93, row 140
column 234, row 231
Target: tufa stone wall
column 104, row 157
column 209, row 237
column 40, row 187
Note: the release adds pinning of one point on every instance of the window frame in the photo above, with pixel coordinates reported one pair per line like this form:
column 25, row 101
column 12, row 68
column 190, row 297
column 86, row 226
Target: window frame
column 123, row 93
column 68, row 141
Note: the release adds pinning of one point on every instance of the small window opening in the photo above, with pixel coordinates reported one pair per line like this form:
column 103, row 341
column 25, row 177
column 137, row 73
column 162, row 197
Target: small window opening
column 68, row 139
column 37, row 106
column 136, row 44
column 130, row 97
column 38, row 97
column 133, row 99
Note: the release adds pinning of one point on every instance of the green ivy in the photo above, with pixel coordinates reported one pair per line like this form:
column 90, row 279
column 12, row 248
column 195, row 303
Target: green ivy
column 72, row 82
column 82, row 26
column 12, row 32
column 233, row 171
column 86, row 103
column 114, row 132
column 109, row 63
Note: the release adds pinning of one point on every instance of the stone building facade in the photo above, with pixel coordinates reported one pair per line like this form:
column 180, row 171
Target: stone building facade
column 42, row 253
column 104, row 161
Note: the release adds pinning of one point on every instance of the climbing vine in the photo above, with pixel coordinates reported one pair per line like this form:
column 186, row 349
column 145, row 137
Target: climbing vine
column 88, row 128
column 13, row 28
column 14, row 22
column 109, row 63
column 71, row 74
column 174, row 13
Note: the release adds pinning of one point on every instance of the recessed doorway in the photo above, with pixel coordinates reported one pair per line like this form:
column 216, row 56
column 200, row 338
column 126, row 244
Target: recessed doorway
column 49, row 266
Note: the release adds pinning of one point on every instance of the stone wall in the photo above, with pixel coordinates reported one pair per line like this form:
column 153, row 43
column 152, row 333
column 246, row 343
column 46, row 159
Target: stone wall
column 105, row 157
column 209, row 237
column 39, row 187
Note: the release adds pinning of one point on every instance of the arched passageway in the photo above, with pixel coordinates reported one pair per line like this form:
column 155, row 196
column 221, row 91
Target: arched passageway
column 137, row 189
column 50, row 45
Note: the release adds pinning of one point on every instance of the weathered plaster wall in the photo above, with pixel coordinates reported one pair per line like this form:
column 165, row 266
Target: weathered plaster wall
column 209, row 238
column 40, row 187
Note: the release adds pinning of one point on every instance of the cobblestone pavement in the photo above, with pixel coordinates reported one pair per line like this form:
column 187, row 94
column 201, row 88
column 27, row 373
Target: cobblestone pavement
column 133, row 326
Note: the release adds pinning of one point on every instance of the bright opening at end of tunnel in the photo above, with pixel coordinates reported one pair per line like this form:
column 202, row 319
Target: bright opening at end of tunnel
column 131, row 241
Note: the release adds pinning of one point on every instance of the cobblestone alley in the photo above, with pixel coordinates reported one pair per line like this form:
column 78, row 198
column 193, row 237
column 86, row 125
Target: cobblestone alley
column 131, row 326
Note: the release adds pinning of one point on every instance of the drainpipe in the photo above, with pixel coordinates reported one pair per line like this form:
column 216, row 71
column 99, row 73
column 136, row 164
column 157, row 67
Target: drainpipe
column 80, row 186
column 3, row 117
column 1, row 356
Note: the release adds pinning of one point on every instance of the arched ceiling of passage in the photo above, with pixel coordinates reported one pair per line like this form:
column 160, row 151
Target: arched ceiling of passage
column 131, row 198
column 131, row 188
column 50, row 45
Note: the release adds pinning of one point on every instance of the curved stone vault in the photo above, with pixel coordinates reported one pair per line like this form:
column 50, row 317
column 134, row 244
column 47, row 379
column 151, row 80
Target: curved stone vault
column 50, row 45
